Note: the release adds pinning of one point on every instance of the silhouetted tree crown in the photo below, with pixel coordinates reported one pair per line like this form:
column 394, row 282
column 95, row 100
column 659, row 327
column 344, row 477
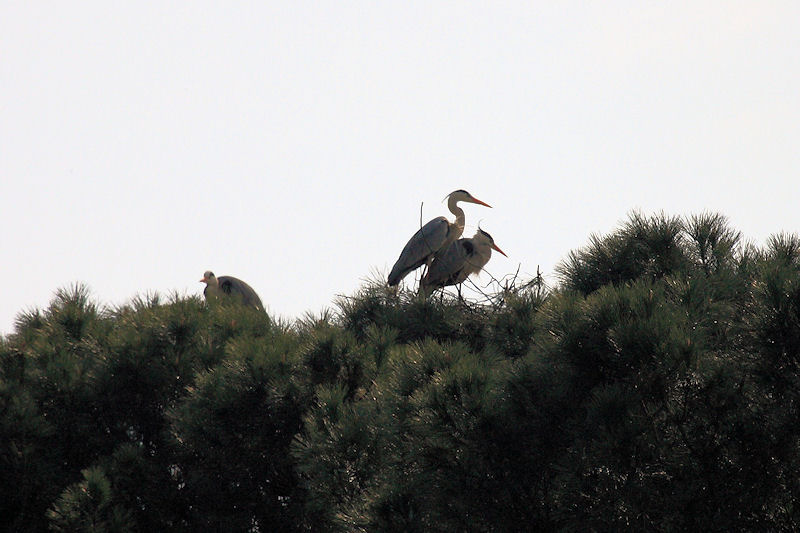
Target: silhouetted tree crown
column 656, row 387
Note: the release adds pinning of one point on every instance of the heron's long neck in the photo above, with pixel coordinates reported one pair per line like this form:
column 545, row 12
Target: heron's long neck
column 213, row 286
column 481, row 256
column 460, row 220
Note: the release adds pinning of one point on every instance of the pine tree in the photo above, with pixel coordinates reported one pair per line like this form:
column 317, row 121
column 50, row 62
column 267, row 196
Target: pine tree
column 655, row 387
column 87, row 507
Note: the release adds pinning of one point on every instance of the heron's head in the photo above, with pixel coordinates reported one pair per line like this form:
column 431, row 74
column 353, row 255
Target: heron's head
column 208, row 277
column 463, row 196
column 484, row 235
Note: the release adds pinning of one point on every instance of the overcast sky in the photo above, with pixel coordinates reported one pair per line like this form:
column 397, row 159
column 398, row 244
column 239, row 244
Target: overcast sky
column 291, row 143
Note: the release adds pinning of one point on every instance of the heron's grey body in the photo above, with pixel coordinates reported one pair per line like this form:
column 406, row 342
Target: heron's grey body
column 432, row 238
column 423, row 245
column 461, row 259
column 229, row 286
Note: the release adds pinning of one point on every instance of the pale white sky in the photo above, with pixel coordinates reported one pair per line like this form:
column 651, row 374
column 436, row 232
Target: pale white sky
column 291, row 143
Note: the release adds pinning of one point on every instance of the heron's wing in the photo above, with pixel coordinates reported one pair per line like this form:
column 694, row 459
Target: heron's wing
column 249, row 296
column 231, row 285
column 227, row 284
column 424, row 243
column 255, row 301
column 448, row 265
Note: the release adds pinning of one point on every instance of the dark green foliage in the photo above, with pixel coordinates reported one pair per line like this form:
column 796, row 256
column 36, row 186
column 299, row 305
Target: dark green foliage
column 656, row 389
column 642, row 248
column 88, row 506
column 232, row 432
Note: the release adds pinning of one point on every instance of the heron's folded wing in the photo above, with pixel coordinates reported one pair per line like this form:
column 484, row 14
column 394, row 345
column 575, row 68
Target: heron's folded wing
column 425, row 242
column 448, row 264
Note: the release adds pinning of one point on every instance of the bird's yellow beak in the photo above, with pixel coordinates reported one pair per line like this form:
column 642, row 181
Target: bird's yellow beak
column 498, row 249
column 204, row 280
column 476, row 201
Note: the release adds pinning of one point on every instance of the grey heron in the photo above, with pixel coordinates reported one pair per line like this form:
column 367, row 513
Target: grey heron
column 433, row 237
column 230, row 286
column 461, row 259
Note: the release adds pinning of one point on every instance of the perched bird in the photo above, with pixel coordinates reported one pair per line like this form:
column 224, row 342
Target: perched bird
column 433, row 237
column 230, row 286
column 455, row 264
